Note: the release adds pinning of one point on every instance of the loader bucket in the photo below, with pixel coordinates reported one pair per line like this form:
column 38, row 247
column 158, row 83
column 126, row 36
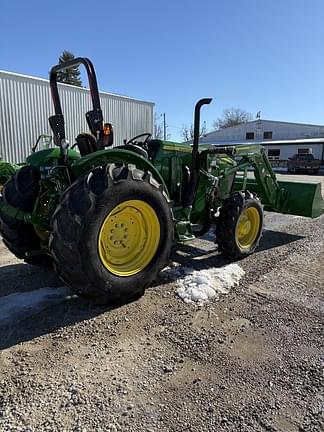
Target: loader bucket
column 296, row 198
column 303, row 199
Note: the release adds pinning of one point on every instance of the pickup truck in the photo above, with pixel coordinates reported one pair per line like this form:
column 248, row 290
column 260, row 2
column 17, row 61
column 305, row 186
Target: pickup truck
column 303, row 162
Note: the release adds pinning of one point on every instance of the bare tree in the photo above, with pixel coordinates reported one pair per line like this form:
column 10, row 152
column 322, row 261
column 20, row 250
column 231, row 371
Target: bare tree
column 187, row 132
column 232, row 117
column 159, row 128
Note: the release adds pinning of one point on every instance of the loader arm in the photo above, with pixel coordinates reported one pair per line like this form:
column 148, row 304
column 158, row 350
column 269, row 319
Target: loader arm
column 290, row 197
column 271, row 193
column 297, row 198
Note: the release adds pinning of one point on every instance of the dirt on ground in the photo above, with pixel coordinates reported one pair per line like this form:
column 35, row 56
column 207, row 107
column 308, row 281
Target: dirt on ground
column 250, row 361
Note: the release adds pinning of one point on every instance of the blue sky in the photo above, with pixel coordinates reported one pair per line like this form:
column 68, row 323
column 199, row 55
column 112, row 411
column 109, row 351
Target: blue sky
column 254, row 55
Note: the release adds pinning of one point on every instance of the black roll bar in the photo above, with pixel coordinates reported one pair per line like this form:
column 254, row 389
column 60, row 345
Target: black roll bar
column 94, row 117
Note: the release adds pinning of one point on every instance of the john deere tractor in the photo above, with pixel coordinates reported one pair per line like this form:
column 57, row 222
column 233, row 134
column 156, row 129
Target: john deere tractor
column 106, row 216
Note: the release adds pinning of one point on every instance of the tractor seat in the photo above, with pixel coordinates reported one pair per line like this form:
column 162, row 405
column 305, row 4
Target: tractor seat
column 153, row 148
column 86, row 143
column 134, row 148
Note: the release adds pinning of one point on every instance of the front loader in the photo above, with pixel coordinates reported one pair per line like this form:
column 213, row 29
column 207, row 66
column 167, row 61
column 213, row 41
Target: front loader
column 106, row 217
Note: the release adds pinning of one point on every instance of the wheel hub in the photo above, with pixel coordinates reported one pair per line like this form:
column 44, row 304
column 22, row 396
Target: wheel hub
column 129, row 237
column 244, row 226
column 247, row 227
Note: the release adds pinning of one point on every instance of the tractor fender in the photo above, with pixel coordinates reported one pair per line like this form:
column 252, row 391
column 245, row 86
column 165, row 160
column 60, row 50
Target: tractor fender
column 104, row 157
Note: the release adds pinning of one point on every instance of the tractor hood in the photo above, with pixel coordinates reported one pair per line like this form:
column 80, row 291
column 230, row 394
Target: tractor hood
column 47, row 156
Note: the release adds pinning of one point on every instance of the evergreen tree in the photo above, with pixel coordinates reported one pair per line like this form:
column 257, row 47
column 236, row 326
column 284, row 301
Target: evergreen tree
column 71, row 75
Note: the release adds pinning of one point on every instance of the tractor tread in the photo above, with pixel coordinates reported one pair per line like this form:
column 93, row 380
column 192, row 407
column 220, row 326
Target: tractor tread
column 226, row 224
column 20, row 237
column 77, row 215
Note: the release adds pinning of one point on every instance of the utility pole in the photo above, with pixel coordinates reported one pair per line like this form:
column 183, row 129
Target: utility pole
column 164, row 127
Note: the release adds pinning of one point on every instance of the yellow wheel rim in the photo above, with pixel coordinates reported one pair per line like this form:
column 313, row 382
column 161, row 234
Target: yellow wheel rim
column 129, row 237
column 247, row 228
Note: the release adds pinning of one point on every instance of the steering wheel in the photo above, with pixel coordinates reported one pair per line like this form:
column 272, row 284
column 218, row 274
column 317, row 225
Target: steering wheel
column 142, row 144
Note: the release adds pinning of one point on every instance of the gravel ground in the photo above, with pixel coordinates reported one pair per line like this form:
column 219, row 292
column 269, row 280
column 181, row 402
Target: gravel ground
column 251, row 361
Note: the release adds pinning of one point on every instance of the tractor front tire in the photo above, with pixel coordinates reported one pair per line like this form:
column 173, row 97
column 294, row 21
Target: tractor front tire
column 239, row 225
column 112, row 233
column 21, row 191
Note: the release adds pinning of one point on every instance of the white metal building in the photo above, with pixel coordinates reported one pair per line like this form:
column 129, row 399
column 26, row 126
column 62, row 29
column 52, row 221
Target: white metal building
column 281, row 139
column 25, row 105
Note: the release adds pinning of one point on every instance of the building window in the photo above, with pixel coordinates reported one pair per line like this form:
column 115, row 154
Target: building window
column 267, row 135
column 304, row 151
column 273, row 154
column 249, row 136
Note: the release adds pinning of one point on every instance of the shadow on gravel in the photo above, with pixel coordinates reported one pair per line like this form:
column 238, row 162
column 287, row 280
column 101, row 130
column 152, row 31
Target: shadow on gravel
column 272, row 239
column 190, row 255
column 197, row 258
column 202, row 254
column 24, row 277
column 50, row 320
column 21, row 320
column 20, row 281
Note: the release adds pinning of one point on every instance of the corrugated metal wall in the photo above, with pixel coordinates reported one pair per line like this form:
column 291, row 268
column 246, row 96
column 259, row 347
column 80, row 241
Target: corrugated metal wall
column 25, row 105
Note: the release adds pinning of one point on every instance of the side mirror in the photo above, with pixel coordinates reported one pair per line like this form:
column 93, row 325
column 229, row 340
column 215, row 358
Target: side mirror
column 44, row 140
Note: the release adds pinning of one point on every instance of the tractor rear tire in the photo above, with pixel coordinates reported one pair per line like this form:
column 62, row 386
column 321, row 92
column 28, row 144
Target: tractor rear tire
column 20, row 237
column 239, row 226
column 112, row 233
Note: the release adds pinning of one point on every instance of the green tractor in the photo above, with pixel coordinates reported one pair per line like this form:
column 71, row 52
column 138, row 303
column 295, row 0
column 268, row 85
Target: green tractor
column 106, row 217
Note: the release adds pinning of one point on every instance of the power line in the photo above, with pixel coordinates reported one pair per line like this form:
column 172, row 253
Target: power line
column 175, row 127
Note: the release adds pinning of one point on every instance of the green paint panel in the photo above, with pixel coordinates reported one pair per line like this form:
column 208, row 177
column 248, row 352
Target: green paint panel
column 47, row 156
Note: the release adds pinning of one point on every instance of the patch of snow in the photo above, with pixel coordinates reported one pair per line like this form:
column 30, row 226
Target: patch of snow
column 202, row 285
column 18, row 306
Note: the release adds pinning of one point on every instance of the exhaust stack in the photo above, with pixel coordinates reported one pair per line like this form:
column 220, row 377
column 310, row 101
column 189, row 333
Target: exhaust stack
column 192, row 186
